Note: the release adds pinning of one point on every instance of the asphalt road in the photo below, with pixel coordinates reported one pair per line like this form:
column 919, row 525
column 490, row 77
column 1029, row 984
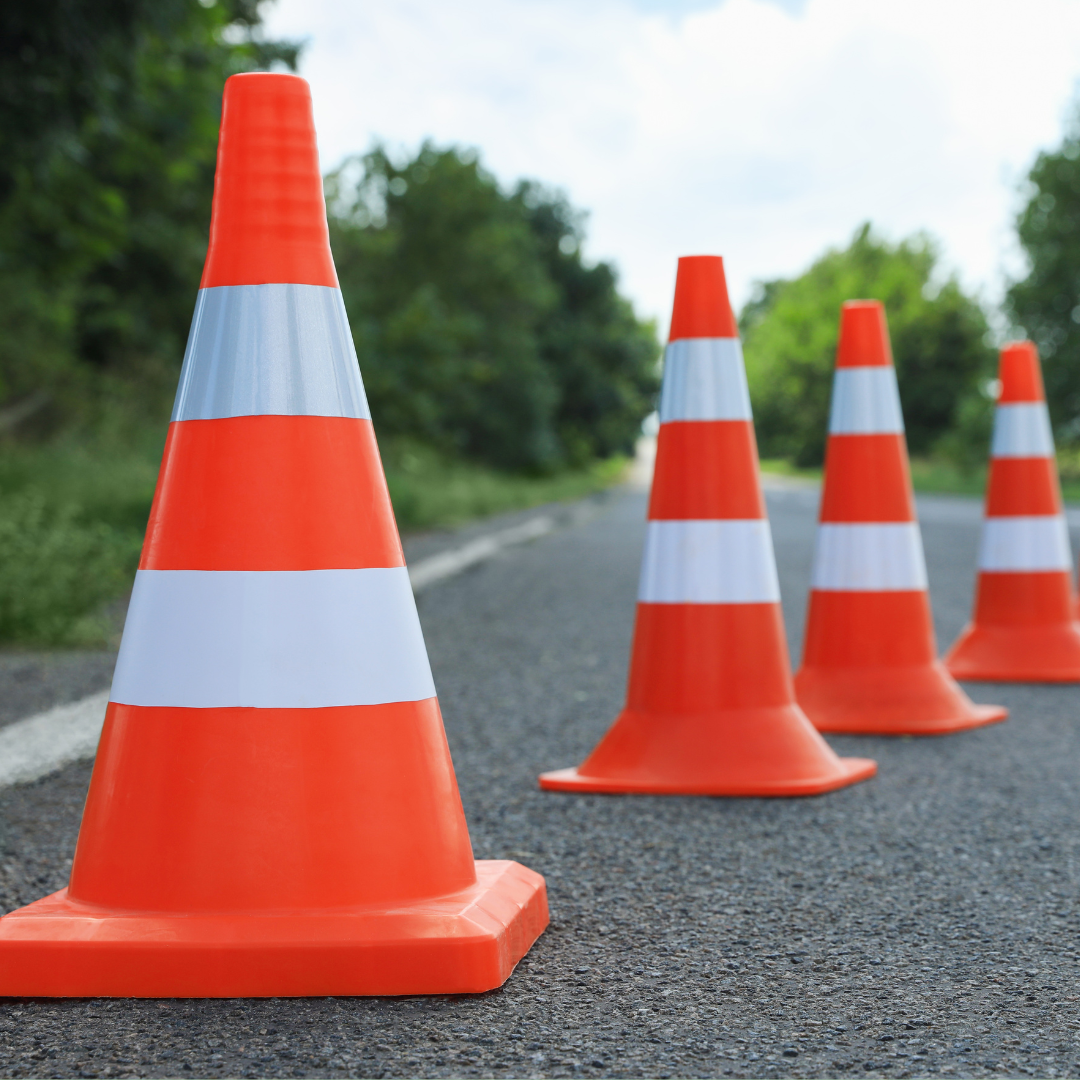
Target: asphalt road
column 923, row 923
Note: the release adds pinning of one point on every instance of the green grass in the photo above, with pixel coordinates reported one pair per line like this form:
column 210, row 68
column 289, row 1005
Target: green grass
column 73, row 514
column 429, row 490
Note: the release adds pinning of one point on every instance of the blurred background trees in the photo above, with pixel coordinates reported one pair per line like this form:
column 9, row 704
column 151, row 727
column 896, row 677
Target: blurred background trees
column 1047, row 302
column 940, row 339
column 108, row 121
column 479, row 329
column 502, row 369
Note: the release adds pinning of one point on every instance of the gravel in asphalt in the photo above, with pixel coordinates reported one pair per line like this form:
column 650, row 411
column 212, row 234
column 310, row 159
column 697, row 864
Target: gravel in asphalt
column 923, row 923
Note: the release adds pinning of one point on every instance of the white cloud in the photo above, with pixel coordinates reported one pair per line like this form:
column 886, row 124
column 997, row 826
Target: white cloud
column 763, row 131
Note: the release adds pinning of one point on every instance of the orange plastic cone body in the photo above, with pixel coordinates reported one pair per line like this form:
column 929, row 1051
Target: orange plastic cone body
column 869, row 659
column 273, row 809
column 710, row 708
column 1024, row 627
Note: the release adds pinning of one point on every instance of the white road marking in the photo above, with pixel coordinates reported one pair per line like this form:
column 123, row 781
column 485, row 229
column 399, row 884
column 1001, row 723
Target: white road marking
column 41, row 744
column 44, row 743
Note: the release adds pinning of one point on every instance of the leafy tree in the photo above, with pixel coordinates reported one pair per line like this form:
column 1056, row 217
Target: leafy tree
column 109, row 112
column 1047, row 302
column 790, row 329
column 479, row 329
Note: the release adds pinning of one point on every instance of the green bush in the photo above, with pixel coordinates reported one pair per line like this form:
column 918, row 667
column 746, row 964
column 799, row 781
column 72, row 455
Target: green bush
column 56, row 569
column 1047, row 302
column 480, row 331
column 790, row 330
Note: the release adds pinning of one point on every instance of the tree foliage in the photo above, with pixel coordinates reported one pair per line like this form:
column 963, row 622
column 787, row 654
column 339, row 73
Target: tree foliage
column 109, row 112
column 790, row 329
column 1047, row 302
column 480, row 330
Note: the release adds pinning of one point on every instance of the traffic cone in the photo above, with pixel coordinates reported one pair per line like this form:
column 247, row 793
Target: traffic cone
column 273, row 810
column 869, row 659
column 1024, row 628
column 710, row 708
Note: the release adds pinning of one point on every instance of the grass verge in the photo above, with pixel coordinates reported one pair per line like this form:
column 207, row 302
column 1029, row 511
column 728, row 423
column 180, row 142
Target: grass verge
column 73, row 514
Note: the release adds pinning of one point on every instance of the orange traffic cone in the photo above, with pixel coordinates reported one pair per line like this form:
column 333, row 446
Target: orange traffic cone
column 869, row 658
column 709, row 709
column 1024, row 627
column 273, row 810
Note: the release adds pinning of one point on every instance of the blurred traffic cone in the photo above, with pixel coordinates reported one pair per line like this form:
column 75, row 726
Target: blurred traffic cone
column 709, row 707
column 1024, row 627
column 869, row 659
column 273, row 810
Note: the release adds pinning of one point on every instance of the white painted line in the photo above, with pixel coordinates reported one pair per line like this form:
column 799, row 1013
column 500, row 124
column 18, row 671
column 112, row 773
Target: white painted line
column 448, row 563
column 44, row 743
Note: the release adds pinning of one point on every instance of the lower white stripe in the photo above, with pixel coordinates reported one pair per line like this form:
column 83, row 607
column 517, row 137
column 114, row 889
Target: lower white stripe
column 1022, row 430
column 1025, row 543
column 865, row 401
column 272, row 639
column 708, row 562
column 869, row 558
column 704, row 379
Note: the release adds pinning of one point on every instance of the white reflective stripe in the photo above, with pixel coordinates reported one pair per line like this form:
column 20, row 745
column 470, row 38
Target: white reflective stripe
column 1025, row 543
column 1022, row 430
column 869, row 558
column 704, row 379
column 865, row 401
column 301, row 639
column 280, row 349
column 708, row 562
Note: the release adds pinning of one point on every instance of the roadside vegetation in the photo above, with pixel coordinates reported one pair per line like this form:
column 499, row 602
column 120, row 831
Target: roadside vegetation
column 503, row 370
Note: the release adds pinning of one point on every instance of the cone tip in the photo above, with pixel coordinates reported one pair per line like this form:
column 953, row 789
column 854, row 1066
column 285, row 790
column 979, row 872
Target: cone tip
column 702, row 308
column 1020, row 373
column 268, row 222
column 864, row 335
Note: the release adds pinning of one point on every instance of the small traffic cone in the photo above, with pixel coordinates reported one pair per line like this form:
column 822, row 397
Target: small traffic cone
column 869, row 659
column 273, row 810
column 710, row 708
column 1024, row 628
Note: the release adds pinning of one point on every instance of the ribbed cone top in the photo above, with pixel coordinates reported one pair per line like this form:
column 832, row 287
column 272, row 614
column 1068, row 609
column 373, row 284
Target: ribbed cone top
column 268, row 224
column 702, row 308
column 1020, row 374
column 864, row 335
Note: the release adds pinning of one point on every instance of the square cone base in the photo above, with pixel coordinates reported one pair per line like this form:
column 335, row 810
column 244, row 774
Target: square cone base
column 851, row 771
column 463, row 943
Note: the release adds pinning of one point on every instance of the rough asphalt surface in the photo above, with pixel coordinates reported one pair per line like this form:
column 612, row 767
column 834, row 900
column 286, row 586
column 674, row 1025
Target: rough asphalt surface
column 924, row 923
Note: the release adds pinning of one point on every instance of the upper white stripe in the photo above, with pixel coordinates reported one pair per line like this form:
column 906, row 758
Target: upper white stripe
column 259, row 349
column 708, row 562
column 1025, row 544
column 869, row 558
column 865, row 401
column 704, row 379
column 1022, row 430
column 301, row 639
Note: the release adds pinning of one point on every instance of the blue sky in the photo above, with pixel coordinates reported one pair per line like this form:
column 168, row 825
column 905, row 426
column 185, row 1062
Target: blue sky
column 762, row 130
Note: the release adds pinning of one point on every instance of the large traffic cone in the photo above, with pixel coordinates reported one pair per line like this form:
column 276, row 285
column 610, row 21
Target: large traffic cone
column 1024, row 627
column 869, row 657
column 710, row 708
column 273, row 810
